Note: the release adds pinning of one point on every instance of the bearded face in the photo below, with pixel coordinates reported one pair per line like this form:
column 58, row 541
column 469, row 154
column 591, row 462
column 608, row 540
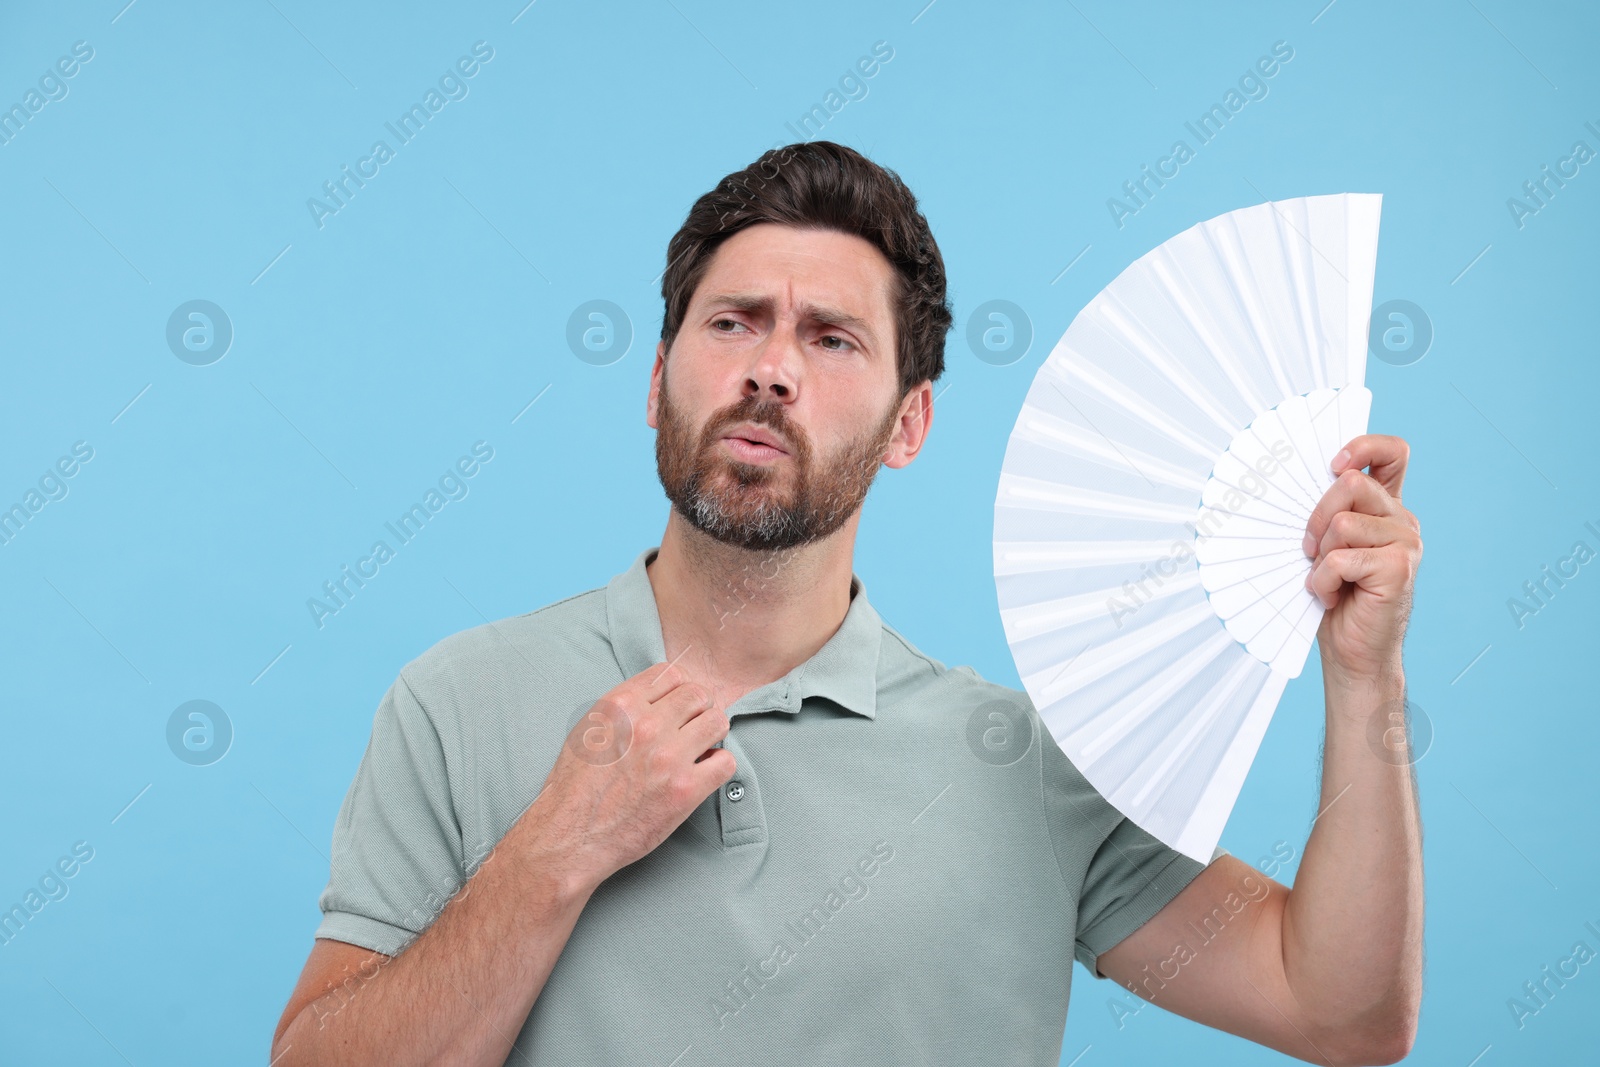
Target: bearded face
column 763, row 504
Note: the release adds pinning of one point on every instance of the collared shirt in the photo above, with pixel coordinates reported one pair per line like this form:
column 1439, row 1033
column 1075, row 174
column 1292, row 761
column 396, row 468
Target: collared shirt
column 901, row 871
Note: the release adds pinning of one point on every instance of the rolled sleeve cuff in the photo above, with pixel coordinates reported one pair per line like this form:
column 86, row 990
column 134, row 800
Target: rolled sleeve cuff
column 366, row 932
column 1139, row 909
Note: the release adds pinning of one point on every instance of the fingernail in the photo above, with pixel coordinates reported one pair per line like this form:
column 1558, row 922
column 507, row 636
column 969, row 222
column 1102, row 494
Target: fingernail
column 1341, row 458
column 1306, row 544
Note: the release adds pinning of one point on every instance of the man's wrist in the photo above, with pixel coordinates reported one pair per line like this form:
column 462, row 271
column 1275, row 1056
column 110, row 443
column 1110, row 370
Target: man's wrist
column 1356, row 699
column 1382, row 678
column 542, row 860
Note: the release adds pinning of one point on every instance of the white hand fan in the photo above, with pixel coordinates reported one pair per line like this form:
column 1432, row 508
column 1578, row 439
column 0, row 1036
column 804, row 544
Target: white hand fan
column 1155, row 492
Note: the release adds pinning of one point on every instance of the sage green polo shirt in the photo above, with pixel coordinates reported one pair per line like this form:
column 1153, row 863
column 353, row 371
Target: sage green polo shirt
column 901, row 871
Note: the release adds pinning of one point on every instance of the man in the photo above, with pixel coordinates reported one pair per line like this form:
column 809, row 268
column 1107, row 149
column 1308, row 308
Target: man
column 719, row 812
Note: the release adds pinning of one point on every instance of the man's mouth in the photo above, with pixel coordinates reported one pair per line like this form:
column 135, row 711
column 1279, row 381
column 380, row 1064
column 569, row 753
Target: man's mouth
column 752, row 451
column 756, row 441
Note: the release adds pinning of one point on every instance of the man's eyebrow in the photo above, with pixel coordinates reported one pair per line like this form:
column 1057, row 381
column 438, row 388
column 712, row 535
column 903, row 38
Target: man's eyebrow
column 751, row 302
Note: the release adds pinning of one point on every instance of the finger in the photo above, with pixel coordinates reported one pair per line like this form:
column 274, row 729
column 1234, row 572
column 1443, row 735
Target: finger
column 1385, row 454
column 684, row 703
column 1351, row 491
column 1371, row 567
column 1353, row 529
column 658, row 679
column 718, row 767
column 708, row 728
column 665, row 685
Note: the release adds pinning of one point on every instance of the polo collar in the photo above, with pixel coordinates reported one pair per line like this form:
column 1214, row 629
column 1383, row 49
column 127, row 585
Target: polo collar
column 844, row 670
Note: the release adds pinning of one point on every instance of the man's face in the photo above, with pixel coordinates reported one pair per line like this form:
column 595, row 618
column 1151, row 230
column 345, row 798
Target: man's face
column 789, row 332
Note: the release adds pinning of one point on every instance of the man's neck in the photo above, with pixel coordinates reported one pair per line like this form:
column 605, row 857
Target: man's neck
column 734, row 619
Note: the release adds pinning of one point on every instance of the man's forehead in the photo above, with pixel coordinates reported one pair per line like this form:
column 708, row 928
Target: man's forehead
column 815, row 271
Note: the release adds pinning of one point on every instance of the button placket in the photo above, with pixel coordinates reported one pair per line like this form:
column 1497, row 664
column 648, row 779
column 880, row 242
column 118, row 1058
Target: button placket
column 739, row 801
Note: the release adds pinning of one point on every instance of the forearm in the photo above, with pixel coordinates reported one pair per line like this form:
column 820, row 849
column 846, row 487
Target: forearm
column 462, row 990
column 1352, row 927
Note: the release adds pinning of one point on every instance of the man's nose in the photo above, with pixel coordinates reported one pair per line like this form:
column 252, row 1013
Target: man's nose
column 774, row 373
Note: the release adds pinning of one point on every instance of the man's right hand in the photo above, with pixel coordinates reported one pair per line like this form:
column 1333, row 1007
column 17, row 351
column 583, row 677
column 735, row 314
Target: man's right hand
column 632, row 770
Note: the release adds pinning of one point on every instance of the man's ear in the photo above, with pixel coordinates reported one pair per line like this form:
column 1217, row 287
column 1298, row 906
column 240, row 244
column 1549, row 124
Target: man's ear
column 656, row 371
column 916, row 419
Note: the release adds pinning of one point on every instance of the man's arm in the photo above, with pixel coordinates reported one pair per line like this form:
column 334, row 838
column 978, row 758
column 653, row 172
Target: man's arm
column 460, row 992
column 631, row 771
column 1331, row 971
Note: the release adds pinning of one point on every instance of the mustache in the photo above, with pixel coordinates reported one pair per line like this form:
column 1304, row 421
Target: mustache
column 769, row 414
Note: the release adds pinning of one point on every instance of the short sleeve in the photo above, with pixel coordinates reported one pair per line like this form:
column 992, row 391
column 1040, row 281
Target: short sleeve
column 1128, row 874
column 397, row 848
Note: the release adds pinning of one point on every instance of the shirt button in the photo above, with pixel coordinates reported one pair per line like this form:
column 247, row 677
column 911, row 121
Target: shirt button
column 736, row 791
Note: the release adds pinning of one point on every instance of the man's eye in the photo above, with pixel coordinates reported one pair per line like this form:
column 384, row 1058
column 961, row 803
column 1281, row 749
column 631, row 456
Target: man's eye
column 835, row 337
column 717, row 324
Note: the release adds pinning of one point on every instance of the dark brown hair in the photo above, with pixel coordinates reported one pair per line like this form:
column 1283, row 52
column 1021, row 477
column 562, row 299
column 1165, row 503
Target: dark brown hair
column 821, row 185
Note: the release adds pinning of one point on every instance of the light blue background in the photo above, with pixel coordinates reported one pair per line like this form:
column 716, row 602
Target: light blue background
column 427, row 314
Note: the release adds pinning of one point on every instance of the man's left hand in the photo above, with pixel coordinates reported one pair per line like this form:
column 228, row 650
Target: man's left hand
column 1360, row 534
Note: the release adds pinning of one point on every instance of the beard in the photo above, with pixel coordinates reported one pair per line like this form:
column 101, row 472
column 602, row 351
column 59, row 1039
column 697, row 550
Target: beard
column 773, row 506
